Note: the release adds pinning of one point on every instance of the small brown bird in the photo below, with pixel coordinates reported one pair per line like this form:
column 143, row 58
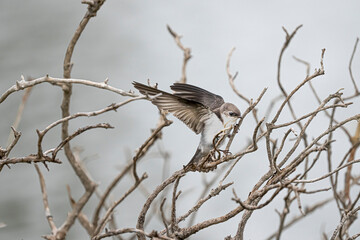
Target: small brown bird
column 202, row 111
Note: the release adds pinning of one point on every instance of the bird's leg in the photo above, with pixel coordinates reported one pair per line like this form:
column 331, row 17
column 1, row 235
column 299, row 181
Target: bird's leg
column 213, row 154
column 201, row 168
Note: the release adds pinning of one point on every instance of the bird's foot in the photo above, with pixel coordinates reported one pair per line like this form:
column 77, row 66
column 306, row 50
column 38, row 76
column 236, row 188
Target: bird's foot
column 226, row 152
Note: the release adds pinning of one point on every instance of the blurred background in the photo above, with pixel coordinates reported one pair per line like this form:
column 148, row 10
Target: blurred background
column 128, row 41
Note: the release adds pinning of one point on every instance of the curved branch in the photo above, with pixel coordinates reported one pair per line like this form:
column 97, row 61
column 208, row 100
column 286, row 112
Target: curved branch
column 22, row 84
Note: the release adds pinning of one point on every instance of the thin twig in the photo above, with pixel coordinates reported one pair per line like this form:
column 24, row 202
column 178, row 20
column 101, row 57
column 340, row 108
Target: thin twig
column 103, row 221
column 149, row 142
column 152, row 235
column 350, row 67
column 20, row 111
column 163, row 218
column 85, row 179
column 107, row 192
column 328, row 174
column 33, row 158
column 174, row 225
column 344, row 218
column 232, row 77
column 77, row 133
column 307, row 211
column 84, row 221
column 153, row 195
column 22, row 84
column 187, row 53
column 48, row 215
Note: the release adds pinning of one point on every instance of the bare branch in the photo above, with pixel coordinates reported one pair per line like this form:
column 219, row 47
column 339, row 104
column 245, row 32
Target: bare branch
column 107, row 192
column 288, row 39
column 48, row 215
column 307, row 211
column 174, row 225
column 84, row 221
column 237, row 126
column 33, row 158
column 232, row 78
column 149, row 142
column 163, row 217
column 328, row 174
column 214, row 192
column 4, row 153
column 317, row 73
column 187, row 53
column 77, row 133
column 344, row 218
column 103, row 221
column 350, row 67
column 20, row 111
column 22, row 84
column 88, row 184
column 253, row 147
column 153, row 195
column 152, row 235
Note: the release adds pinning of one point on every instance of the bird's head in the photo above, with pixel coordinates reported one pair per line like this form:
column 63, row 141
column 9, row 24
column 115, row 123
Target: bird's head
column 230, row 113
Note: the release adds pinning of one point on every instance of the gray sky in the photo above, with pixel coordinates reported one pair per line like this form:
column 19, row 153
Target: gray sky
column 128, row 41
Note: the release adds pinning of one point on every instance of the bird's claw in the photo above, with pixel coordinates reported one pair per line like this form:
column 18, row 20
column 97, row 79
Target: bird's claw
column 226, row 152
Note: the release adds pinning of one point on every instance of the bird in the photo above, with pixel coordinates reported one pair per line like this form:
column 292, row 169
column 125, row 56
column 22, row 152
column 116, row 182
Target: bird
column 202, row 111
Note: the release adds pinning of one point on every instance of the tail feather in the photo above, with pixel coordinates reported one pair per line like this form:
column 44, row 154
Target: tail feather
column 147, row 90
column 195, row 159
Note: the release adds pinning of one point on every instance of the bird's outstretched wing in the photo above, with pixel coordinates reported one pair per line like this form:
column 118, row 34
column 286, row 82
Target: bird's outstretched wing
column 193, row 93
column 191, row 112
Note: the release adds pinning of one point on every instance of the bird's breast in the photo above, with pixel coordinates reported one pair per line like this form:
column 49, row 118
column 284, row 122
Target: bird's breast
column 212, row 127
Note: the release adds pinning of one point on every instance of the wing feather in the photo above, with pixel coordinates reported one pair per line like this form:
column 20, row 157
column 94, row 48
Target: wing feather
column 193, row 93
column 192, row 113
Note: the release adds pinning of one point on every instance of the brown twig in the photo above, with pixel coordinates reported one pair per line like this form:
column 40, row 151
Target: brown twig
column 111, row 186
column 22, row 84
column 33, row 158
column 20, row 111
column 108, row 213
column 350, row 67
column 174, row 225
column 307, row 211
column 317, row 73
column 232, row 78
column 152, row 235
column 77, row 133
column 214, row 192
column 328, row 174
column 83, row 219
column 153, row 195
column 149, row 142
column 187, row 53
column 4, row 153
column 48, row 215
column 251, row 148
column 163, row 218
column 345, row 217
column 288, row 39
column 86, row 181
column 355, row 140
column 237, row 126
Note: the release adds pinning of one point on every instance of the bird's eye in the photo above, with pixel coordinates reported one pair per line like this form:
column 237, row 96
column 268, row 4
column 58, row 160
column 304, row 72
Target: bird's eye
column 232, row 114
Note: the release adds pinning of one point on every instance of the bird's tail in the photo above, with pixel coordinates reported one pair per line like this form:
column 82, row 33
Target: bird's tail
column 146, row 90
column 194, row 160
